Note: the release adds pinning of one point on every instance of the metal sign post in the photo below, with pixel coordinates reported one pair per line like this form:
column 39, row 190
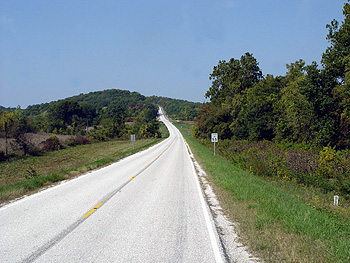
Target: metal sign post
column 214, row 139
column 132, row 138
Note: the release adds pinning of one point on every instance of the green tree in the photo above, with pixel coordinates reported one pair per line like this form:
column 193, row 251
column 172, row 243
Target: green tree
column 7, row 124
column 21, row 140
column 65, row 111
column 258, row 117
column 296, row 112
column 336, row 63
column 233, row 78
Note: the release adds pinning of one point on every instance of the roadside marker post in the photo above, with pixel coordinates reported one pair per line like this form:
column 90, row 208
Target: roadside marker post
column 132, row 138
column 214, row 139
column 336, row 200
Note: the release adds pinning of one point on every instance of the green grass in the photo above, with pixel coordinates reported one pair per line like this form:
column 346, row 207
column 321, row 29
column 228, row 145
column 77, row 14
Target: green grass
column 27, row 175
column 276, row 224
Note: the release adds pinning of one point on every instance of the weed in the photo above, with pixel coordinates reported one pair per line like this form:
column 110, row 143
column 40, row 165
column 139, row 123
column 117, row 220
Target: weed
column 30, row 173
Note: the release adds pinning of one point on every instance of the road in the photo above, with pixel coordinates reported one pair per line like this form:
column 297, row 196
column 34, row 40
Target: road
column 145, row 208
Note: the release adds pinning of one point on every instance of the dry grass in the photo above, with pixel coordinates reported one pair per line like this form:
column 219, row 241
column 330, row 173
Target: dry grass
column 60, row 165
column 35, row 138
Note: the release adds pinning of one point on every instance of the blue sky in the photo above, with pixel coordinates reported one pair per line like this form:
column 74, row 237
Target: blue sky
column 51, row 50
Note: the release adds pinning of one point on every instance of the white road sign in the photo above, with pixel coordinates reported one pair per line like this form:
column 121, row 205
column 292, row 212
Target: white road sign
column 214, row 137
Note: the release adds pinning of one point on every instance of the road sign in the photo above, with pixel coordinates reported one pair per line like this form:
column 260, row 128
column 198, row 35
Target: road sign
column 214, row 137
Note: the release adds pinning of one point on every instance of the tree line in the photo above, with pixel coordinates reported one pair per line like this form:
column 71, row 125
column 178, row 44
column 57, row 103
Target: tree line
column 98, row 116
column 310, row 104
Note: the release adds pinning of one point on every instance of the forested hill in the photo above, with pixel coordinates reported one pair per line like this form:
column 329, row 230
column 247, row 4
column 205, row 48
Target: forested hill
column 97, row 99
column 177, row 109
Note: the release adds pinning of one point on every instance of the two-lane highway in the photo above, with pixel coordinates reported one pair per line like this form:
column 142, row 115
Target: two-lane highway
column 145, row 208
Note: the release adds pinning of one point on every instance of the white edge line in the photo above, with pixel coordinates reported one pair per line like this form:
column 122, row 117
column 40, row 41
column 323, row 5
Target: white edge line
column 210, row 227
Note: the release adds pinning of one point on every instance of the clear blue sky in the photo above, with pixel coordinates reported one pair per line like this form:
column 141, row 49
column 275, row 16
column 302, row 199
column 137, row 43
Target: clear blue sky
column 54, row 49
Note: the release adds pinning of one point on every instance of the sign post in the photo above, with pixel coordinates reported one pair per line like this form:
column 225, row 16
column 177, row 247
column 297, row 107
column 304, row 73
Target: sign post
column 132, row 138
column 214, row 139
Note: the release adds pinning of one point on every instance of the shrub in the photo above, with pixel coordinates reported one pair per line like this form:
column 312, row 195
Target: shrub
column 2, row 156
column 328, row 170
column 97, row 135
column 52, row 144
column 83, row 141
column 71, row 142
column 78, row 141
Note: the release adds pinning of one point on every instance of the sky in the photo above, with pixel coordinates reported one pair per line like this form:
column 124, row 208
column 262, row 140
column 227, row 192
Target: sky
column 55, row 49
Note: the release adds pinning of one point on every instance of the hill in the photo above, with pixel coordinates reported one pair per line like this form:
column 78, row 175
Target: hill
column 175, row 108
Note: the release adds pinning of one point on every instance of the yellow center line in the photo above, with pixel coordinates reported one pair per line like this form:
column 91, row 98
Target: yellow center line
column 93, row 210
column 114, row 192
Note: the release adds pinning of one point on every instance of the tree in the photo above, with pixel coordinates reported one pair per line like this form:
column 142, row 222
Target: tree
column 88, row 113
column 336, row 63
column 296, row 112
column 64, row 111
column 257, row 119
column 20, row 130
column 7, row 122
column 233, row 78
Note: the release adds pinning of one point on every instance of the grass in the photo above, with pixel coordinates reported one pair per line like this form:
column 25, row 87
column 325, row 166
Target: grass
column 276, row 224
column 27, row 175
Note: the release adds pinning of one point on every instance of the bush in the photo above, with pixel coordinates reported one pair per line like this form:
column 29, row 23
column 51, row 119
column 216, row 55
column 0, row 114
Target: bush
column 328, row 169
column 2, row 156
column 52, row 144
column 78, row 141
column 97, row 135
column 83, row 141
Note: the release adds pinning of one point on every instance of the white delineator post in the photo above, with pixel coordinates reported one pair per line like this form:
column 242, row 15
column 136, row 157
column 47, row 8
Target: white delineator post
column 132, row 138
column 336, row 200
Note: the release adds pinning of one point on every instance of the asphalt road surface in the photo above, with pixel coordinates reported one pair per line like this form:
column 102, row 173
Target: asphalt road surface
column 145, row 208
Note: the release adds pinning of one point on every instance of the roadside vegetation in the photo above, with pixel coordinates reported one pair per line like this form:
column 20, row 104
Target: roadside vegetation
column 283, row 151
column 280, row 220
column 21, row 176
